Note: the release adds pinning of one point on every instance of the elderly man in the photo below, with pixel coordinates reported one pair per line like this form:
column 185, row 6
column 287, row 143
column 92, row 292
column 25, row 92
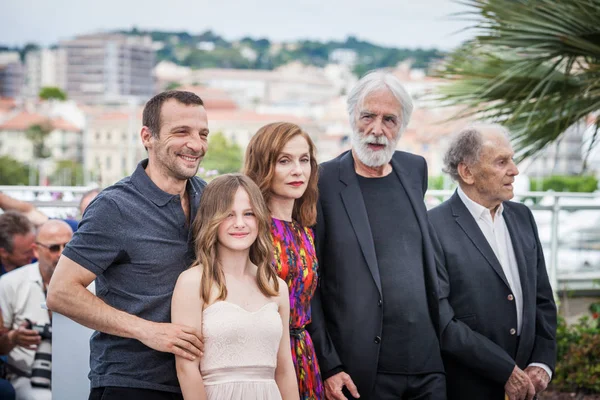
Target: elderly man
column 498, row 315
column 16, row 241
column 134, row 240
column 22, row 293
column 375, row 313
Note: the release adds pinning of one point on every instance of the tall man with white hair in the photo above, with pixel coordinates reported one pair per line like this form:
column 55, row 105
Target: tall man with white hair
column 498, row 316
column 375, row 313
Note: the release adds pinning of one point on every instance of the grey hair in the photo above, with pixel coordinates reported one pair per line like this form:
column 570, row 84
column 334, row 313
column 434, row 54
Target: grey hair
column 465, row 146
column 372, row 82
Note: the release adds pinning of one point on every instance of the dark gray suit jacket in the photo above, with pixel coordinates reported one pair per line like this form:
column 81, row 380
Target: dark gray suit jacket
column 477, row 312
column 347, row 314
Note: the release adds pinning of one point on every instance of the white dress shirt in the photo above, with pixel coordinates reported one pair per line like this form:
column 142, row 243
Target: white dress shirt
column 497, row 235
column 22, row 296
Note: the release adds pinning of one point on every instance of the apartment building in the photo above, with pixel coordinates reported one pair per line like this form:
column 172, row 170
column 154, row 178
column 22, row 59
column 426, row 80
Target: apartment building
column 11, row 74
column 109, row 68
column 44, row 67
column 291, row 83
column 64, row 142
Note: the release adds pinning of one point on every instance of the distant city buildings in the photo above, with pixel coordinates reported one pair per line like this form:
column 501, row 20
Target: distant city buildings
column 564, row 157
column 44, row 68
column 11, row 74
column 63, row 141
column 347, row 57
column 112, row 143
column 109, row 68
column 291, row 83
column 108, row 78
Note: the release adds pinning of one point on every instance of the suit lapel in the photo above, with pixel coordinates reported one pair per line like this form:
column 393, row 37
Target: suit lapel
column 357, row 212
column 465, row 220
column 414, row 194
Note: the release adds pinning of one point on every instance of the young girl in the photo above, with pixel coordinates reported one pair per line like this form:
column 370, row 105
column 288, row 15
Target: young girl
column 280, row 158
column 233, row 295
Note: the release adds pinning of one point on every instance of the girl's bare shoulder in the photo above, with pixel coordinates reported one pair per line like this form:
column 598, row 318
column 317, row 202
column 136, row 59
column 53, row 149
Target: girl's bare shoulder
column 283, row 289
column 191, row 277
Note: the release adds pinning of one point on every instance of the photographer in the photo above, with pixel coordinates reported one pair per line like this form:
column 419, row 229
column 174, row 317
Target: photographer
column 22, row 293
column 7, row 392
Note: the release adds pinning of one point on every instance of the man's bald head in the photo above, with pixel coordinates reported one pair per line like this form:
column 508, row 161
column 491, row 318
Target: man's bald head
column 51, row 239
column 53, row 227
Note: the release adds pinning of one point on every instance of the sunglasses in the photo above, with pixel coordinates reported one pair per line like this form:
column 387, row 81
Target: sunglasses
column 54, row 248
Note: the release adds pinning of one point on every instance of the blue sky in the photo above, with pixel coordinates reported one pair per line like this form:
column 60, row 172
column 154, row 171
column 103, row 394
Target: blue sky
column 401, row 23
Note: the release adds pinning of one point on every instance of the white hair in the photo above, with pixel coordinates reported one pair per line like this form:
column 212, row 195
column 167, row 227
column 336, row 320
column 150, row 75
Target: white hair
column 373, row 82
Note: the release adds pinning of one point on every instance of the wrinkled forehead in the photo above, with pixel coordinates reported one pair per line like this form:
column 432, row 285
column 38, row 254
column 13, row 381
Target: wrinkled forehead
column 173, row 113
column 495, row 137
column 497, row 144
column 382, row 100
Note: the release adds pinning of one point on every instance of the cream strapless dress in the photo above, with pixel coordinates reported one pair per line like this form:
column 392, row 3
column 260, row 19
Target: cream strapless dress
column 240, row 351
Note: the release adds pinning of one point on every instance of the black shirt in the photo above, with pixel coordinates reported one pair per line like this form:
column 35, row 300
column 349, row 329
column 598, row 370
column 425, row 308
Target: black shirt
column 409, row 343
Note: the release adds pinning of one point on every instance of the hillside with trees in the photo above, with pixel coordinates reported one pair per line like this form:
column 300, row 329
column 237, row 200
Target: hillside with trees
column 209, row 50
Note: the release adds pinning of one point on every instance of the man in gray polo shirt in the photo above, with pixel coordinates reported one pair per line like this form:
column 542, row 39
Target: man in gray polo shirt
column 135, row 240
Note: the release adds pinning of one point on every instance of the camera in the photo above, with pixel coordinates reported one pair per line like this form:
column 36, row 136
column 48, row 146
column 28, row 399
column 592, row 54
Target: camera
column 41, row 371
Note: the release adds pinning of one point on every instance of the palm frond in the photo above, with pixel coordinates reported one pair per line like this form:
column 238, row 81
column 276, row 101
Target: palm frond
column 534, row 67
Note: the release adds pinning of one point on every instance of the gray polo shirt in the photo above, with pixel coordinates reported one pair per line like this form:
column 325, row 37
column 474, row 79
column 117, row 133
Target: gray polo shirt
column 135, row 238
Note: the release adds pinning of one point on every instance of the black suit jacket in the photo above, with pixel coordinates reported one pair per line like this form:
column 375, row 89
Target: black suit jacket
column 347, row 314
column 477, row 312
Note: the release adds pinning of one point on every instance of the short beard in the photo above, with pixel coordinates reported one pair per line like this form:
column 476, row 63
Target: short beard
column 372, row 158
column 183, row 174
column 175, row 170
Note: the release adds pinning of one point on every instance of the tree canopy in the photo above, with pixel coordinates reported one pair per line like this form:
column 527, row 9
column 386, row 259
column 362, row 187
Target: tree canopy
column 222, row 155
column 13, row 172
column 52, row 93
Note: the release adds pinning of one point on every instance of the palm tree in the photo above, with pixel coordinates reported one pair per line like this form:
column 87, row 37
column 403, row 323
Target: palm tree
column 534, row 67
column 37, row 135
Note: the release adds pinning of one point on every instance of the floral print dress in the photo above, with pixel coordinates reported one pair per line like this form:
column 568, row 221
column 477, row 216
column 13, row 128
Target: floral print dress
column 295, row 261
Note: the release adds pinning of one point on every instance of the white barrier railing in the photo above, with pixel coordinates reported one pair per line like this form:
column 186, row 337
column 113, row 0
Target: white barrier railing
column 554, row 203
column 62, row 201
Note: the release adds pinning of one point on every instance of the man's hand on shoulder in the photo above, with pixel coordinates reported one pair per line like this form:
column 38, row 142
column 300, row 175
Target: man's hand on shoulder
column 180, row 340
column 539, row 377
column 334, row 385
column 519, row 386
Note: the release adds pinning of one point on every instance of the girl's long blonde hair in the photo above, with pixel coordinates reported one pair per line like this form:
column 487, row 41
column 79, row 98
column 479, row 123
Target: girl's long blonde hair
column 215, row 205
